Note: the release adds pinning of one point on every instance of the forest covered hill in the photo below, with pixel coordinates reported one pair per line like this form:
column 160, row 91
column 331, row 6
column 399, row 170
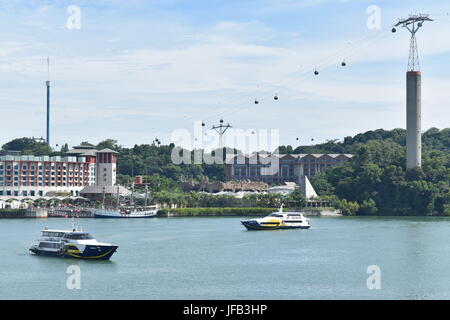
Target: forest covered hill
column 374, row 182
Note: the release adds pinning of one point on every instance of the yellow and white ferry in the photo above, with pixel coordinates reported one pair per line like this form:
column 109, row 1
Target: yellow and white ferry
column 72, row 243
column 278, row 220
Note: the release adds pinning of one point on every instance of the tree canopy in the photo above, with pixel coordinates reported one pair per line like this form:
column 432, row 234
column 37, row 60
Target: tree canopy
column 376, row 180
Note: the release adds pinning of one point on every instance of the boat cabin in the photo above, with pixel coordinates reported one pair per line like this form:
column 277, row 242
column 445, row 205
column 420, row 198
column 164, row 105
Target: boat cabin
column 72, row 235
column 78, row 236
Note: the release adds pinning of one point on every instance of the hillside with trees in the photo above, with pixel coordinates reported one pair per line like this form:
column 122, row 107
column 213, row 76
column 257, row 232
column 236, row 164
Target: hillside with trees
column 374, row 182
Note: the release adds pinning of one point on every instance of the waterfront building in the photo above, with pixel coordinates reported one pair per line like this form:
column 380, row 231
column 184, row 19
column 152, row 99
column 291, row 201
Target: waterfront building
column 283, row 167
column 33, row 176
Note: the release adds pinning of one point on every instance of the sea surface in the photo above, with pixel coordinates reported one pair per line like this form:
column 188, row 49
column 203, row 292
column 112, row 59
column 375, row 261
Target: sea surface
column 216, row 258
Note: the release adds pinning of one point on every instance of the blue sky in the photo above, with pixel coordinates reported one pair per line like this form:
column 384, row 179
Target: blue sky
column 137, row 69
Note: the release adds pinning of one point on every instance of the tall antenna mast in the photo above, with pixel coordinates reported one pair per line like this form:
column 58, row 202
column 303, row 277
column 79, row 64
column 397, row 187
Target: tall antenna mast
column 47, row 83
column 413, row 24
column 221, row 129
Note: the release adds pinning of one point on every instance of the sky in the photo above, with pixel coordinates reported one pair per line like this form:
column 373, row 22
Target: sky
column 139, row 69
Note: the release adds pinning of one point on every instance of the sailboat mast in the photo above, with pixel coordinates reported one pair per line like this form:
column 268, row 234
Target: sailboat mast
column 103, row 198
column 118, row 197
column 132, row 194
column 146, row 196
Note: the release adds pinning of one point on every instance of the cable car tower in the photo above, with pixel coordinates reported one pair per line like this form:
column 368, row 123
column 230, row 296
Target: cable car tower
column 413, row 24
column 413, row 93
column 221, row 129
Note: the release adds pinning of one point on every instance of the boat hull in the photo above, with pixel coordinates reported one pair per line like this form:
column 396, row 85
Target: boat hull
column 124, row 216
column 90, row 252
column 118, row 215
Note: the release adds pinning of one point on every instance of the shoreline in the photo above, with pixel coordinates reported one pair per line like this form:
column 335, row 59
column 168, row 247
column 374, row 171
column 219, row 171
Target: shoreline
column 243, row 212
column 42, row 213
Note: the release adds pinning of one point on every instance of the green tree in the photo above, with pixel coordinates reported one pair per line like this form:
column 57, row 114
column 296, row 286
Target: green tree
column 28, row 146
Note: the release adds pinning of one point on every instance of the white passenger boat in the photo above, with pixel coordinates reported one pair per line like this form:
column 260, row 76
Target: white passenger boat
column 278, row 220
column 72, row 244
column 127, row 212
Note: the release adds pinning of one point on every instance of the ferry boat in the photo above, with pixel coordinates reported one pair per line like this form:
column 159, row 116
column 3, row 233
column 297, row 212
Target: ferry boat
column 127, row 212
column 72, row 244
column 278, row 220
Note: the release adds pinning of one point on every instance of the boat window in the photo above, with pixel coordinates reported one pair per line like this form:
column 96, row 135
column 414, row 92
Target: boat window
column 276, row 215
column 52, row 234
column 78, row 236
column 53, row 245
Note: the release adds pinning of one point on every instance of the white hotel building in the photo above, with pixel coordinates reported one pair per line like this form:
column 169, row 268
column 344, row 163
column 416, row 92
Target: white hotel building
column 33, row 177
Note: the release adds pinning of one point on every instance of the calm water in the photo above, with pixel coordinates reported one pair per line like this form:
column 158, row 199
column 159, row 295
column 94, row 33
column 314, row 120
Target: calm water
column 215, row 258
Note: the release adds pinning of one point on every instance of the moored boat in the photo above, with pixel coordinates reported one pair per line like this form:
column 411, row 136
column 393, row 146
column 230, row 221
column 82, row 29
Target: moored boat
column 124, row 212
column 132, row 211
